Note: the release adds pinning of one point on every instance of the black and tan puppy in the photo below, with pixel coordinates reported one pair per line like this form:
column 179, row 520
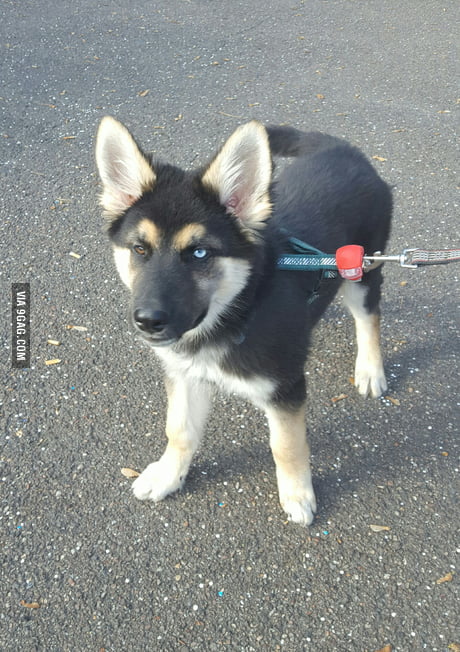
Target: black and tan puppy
column 198, row 251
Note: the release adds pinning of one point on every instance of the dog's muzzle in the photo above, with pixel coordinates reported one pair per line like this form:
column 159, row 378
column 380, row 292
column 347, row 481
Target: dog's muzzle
column 156, row 326
column 151, row 321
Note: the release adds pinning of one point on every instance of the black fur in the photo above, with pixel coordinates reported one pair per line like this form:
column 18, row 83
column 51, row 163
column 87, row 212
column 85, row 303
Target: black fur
column 329, row 196
column 200, row 258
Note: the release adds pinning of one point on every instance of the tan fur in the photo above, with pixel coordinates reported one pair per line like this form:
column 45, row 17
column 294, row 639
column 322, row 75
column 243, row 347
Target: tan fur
column 230, row 278
column 241, row 173
column 125, row 172
column 206, row 366
column 188, row 235
column 149, row 233
column 122, row 258
column 188, row 404
column 369, row 372
column 288, row 441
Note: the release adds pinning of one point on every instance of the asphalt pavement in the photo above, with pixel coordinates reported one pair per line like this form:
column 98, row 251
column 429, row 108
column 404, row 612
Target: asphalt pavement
column 217, row 567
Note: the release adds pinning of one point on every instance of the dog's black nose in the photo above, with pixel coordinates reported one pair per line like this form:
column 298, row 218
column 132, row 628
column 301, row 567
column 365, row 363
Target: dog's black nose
column 151, row 321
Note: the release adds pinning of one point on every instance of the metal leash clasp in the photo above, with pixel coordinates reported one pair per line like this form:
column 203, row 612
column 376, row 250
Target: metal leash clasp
column 404, row 259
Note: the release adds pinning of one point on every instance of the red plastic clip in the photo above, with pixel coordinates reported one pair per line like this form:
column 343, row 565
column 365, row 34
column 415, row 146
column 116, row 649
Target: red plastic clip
column 349, row 261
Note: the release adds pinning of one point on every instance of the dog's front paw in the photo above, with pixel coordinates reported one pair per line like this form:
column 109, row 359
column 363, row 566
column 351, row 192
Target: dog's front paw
column 300, row 509
column 298, row 502
column 156, row 482
column 296, row 493
column 370, row 379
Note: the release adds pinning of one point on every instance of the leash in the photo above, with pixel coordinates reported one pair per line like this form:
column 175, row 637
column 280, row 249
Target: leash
column 350, row 262
column 412, row 258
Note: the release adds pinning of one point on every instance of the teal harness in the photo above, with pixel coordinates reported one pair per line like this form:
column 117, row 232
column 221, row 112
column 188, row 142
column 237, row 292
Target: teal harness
column 308, row 259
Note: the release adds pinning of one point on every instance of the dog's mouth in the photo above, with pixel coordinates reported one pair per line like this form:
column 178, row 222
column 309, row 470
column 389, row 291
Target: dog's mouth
column 199, row 319
column 159, row 342
column 167, row 336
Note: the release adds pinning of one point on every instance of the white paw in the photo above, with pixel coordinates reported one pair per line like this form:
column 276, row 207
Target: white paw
column 370, row 379
column 297, row 496
column 300, row 509
column 157, row 481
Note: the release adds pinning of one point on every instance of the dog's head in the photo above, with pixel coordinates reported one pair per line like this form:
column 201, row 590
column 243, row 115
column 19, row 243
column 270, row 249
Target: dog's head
column 184, row 243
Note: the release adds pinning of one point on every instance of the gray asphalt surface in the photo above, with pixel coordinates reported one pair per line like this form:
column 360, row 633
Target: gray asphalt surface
column 217, row 567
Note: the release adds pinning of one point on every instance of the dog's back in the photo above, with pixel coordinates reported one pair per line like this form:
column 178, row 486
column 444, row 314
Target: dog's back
column 288, row 141
column 330, row 185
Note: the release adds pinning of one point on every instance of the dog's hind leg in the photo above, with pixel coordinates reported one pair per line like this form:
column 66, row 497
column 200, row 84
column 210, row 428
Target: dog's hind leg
column 188, row 404
column 288, row 441
column 362, row 301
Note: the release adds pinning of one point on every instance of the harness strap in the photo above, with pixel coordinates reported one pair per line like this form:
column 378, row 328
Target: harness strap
column 307, row 263
column 309, row 259
column 350, row 260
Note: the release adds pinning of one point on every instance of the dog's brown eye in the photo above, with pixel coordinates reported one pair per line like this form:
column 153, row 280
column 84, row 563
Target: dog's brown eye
column 140, row 250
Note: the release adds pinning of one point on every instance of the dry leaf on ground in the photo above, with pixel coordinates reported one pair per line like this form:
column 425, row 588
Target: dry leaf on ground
column 380, row 528
column 447, row 578
column 29, row 605
column 129, row 473
column 70, row 327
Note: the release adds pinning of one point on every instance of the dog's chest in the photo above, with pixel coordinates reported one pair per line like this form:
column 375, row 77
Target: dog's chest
column 207, row 365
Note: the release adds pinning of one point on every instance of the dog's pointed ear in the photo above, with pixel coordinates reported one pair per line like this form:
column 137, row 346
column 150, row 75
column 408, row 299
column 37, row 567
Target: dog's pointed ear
column 125, row 171
column 241, row 173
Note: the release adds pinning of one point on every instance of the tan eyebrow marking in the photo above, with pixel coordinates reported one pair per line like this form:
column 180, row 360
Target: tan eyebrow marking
column 149, row 232
column 188, row 235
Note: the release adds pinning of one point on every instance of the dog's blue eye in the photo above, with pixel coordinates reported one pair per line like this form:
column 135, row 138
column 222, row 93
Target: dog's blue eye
column 200, row 254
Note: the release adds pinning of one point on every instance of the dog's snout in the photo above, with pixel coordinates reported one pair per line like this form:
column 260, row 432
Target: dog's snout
column 151, row 321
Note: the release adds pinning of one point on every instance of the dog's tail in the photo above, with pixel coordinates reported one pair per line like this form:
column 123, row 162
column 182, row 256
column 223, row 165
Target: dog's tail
column 288, row 141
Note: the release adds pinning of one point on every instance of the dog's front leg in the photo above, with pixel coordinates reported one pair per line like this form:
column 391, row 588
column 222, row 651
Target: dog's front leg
column 288, row 441
column 188, row 403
